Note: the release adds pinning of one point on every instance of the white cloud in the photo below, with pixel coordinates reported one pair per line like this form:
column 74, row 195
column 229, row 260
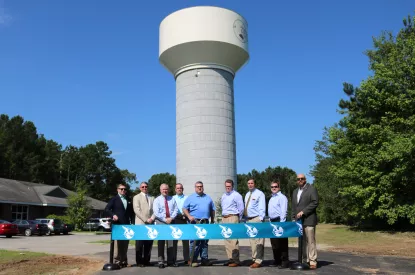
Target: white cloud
column 5, row 18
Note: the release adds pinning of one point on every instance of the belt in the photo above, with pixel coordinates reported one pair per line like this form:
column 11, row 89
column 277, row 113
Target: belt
column 277, row 219
column 250, row 218
column 230, row 215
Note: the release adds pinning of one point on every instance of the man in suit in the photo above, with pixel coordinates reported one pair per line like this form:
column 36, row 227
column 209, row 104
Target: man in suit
column 143, row 209
column 165, row 210
column 304, row 205
column 121, row 211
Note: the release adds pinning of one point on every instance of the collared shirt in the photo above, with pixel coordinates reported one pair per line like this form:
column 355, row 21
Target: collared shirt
column 277, row 206
column 232, row 203
column 159, row 208
column 180, row 201
column 256, row 205
column 199, row 206
column 124, row 200
column 300, row 191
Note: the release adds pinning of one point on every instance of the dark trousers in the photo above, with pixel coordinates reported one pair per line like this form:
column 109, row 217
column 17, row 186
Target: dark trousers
column 171, row 248
column 181, row 220
column 143, row 251
column 280, row 248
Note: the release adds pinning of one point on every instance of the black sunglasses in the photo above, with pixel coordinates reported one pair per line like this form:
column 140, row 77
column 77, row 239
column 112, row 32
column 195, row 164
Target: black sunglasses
column 122, row 189
column 300, row 178
column 274, row 186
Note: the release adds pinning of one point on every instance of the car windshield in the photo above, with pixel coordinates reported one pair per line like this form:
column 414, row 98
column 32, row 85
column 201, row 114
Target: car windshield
column 3, row 221
column 34, row 222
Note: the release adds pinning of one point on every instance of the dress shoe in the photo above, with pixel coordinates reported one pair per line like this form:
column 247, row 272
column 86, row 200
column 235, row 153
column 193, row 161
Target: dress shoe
column 172, row 264
column 161, row 266
column 255, row 265
column 141, row 265
column 274, row 264
column 282, row 266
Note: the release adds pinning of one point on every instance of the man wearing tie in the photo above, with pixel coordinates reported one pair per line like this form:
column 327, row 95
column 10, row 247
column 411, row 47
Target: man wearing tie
column 165, row 210
column 119, row 208
column 181, row 219
column 143, row 208
column 255, row 212
column 232, row 211
column 304, row 206
column 277, row 212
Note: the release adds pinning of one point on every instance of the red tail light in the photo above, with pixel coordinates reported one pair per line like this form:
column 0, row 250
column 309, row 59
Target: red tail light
column 37, row 226
column 7, row 225
column 53, row 223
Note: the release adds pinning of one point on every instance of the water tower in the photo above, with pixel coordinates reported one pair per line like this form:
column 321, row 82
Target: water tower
column 203, row 47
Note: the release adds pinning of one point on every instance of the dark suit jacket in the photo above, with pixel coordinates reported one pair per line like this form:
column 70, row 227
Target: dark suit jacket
column 308, row 204
column 116, row 207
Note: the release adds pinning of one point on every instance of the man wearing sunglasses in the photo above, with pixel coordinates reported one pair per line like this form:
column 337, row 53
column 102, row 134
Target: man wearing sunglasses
column 304, row 205
column 143, row 209
column 277, row 212
column 121, row 211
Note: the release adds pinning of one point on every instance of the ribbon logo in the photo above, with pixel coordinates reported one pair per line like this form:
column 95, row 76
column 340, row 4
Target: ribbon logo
column 128, row 233
column 176, row 232
column 226, row 231
column 251, row 231
column 201, row 232
column 277, row 230
column 152, row 233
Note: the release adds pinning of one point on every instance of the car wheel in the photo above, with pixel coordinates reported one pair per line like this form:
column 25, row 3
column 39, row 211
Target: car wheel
column 65, row 232
column 9, row 236
column 48, row 233
column 101, row 229
column 28, row 232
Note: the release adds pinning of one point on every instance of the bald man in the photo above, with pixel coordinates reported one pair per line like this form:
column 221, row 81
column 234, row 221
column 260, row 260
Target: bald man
column 304, row 205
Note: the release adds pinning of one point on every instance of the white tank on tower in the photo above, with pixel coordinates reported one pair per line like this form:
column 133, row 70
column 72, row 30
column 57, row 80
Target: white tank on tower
column 203, row 47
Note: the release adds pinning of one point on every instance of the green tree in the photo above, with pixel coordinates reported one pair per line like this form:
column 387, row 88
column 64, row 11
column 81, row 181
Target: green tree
column 371, row 151
column 156, row 180
column 79, row 209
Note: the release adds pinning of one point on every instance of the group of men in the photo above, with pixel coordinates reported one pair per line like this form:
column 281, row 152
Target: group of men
column 200, row 208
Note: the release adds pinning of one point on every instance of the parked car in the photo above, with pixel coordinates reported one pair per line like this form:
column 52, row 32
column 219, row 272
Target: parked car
column 8, row 229
column 98, row 224
column 29, row 227
column 56, row 226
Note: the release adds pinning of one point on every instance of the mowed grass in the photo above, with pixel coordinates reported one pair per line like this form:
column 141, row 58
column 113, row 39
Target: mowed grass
column 108, row 242
column 18, row 256
column 343, row 238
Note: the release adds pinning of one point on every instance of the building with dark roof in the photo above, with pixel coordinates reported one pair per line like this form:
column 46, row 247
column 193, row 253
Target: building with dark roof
column 28, row 200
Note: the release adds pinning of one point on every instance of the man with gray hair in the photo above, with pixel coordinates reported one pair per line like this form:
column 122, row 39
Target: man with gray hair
column 165, row 210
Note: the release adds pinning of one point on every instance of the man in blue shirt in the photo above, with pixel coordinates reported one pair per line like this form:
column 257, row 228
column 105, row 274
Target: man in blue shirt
column 198, row 207
column 181, row 219
column 165, row 211
column 277, row 212
column 255, row 212
column 232, row 211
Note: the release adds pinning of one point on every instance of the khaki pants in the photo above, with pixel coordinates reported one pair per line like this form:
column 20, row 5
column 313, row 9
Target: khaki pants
column 120, row 251
column 309, row 245
column 232, row 246
column 257, row 245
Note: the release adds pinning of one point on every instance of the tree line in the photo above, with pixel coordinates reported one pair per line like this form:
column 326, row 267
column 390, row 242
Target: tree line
column 27, row 155
column 365, row 163
column 263, row 179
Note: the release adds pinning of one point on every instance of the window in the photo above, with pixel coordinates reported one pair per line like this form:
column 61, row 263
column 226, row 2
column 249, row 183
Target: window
column 20, row 212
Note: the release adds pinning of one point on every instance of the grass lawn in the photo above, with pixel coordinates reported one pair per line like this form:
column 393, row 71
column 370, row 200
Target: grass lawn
column 7, row 256
column 18, row 262
column 132, row 242
column 344, row 238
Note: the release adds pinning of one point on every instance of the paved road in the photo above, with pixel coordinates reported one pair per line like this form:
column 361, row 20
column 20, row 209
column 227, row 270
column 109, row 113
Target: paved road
column 329, row 262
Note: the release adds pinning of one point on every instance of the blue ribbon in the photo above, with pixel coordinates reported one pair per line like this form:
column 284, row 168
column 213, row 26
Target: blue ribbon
column 207, row 231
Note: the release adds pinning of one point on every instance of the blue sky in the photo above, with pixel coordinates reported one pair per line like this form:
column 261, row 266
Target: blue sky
column 85, row 71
